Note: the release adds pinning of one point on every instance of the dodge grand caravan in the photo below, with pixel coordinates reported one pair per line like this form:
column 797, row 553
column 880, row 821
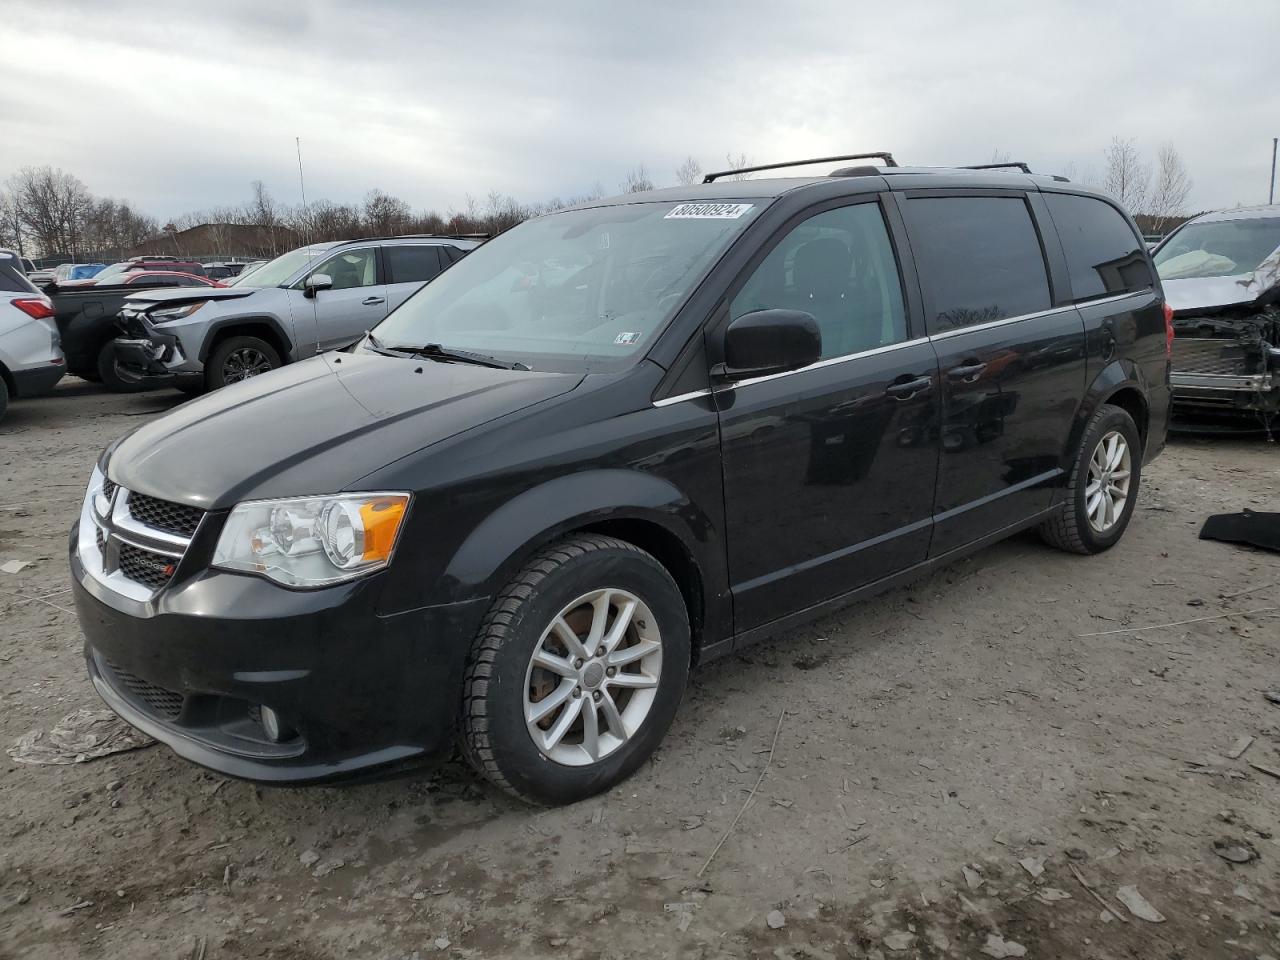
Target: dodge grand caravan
column 614, row 442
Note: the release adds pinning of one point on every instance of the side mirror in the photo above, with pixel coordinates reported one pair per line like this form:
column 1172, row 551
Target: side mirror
column 769, row 341
column 315, row 283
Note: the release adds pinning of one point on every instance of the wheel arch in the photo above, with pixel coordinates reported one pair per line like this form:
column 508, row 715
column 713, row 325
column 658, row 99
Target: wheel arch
column 264, row 327
column 1122, row 384
column 640, row 508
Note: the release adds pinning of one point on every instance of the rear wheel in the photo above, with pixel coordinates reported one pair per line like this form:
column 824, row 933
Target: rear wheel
column 1103, row 487
column 4, row 397
column 239, row 358
column 110, row 374
column 577, row 670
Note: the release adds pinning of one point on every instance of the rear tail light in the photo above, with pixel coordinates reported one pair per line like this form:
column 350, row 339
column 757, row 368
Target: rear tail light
column 1168, row 331
column 38, row 308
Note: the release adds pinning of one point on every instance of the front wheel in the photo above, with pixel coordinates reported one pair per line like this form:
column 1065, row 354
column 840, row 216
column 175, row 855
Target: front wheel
column 239, row 358
column 1103, row 488
column 576, row 672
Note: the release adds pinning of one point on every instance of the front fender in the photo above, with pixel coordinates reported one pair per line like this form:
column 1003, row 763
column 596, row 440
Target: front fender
column 504, row 540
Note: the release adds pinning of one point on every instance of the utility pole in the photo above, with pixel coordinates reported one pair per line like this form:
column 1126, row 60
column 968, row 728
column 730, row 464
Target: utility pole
column 1271, row 193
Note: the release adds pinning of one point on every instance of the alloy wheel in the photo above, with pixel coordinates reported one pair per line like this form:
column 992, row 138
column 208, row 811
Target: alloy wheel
column 1107, row 490
column 593, row 677
column 243, row 363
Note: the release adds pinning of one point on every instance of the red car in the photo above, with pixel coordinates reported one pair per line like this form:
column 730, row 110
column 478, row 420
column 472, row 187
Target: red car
column 159, row 278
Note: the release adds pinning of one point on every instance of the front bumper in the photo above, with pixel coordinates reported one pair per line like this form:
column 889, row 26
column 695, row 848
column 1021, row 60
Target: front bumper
column 149, row 353
column 194, row 666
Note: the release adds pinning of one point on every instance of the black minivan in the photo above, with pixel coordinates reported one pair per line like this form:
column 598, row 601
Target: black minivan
column 614, row 442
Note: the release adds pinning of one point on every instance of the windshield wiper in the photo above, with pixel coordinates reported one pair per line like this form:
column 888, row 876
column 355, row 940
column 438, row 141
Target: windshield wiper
column 434, row 351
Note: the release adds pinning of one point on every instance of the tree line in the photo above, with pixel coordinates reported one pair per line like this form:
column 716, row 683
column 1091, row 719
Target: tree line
column 50, row 213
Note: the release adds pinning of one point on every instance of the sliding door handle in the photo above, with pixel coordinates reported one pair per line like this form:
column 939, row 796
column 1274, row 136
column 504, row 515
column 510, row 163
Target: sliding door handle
column 968, row 373
column 909, row 388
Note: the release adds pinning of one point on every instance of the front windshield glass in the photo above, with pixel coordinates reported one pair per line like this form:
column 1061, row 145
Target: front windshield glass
column 1226, row 248
column 583, row 286
column 275, row 272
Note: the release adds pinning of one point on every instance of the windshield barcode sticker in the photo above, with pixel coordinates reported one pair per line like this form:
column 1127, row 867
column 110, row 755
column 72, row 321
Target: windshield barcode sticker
column 708, row 211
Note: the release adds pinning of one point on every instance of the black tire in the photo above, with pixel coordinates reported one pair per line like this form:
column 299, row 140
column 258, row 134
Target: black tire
column 4, row 397
column 110, row 375
column 493, row 731
column 1071, row 529
column 233, row 354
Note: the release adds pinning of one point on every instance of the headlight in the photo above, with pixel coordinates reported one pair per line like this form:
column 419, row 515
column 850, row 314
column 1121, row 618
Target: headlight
column 175, row 313
column 312, row 541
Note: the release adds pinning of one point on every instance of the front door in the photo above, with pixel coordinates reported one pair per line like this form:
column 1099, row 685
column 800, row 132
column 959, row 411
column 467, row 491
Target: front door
column 829, row 470
column 339, row 316
column 1011, row 364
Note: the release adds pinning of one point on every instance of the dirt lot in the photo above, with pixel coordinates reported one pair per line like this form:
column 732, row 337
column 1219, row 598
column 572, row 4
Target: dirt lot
column 968, row 720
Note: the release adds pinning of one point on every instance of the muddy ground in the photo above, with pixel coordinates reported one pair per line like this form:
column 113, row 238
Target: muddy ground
column 997, row 712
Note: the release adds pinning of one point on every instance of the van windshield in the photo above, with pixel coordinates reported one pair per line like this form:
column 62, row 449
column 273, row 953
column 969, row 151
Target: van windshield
column 582, row 288
column 1226, row 248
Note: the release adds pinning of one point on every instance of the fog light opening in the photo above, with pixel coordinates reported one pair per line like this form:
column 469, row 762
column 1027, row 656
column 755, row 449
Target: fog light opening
column 277, row 730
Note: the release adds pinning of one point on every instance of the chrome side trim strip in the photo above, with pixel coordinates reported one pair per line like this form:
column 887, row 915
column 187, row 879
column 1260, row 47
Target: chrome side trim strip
column 875, row 351
column 681, row 397
column 1004, row 321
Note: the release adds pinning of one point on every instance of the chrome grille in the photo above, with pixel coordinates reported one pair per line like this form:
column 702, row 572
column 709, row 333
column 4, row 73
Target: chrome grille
column 161, row 701
column 1211, row 357
column 133, row 543
column 177, row 518
column 145, row 566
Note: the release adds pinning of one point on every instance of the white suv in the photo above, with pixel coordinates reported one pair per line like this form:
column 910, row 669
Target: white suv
column 31, row 360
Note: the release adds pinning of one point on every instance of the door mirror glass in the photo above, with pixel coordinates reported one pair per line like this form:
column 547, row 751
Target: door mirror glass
column 770, row 341
column 315, row 283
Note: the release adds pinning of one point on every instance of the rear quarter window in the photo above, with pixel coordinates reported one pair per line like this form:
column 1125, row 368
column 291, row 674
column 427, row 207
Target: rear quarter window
column 1104, row 256
column 979, row 259
column 411, row 263
column 12, row 280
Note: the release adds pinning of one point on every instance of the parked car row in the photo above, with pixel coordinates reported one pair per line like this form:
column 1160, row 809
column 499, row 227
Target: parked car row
column 615, row 441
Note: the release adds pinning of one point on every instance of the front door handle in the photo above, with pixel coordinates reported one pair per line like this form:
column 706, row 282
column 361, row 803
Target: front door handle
column 968, row 373
column 370, row 301
column 909, row 389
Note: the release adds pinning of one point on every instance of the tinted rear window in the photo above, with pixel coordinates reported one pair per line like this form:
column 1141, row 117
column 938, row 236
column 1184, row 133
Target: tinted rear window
column 979, row 259
column 12, row 280
column 1104, row 255
column 411, row 264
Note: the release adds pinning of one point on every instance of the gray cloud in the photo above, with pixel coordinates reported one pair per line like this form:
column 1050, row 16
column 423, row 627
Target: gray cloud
column 179, row 107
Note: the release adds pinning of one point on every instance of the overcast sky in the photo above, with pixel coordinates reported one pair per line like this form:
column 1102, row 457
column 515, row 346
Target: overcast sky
column 178, row 106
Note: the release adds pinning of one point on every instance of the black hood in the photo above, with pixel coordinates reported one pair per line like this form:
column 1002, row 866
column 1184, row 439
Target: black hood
column 315, row 427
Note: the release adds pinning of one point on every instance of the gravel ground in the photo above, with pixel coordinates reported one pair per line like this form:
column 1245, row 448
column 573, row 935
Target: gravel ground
column 954, row 761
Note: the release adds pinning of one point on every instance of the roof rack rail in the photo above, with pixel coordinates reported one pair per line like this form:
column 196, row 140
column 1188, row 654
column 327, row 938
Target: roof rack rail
column 1015, row 164
column 420, row 236
column 882, row 155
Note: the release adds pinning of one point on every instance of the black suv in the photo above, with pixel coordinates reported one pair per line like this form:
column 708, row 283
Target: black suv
column 614, row 442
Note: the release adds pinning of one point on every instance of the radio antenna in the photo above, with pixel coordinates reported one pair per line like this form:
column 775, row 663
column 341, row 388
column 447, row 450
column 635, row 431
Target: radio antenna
column 306, row 217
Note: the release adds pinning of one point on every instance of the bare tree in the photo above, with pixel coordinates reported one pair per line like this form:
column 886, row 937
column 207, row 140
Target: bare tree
column 1001, row 156
column 1172, row 189
column 10, row 227
column 1128, row 177
column 384, row 215
column 52, row 207
column 264, row 213
column 637, row 180
column 739, row 162
column 689, row 172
